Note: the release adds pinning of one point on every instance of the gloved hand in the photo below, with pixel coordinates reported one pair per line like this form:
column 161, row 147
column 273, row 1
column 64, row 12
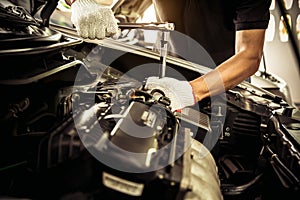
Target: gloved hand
column 179, row 92
column 93, row 20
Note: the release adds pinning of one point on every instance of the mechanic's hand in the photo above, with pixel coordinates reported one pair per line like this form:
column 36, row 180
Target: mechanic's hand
column 93, row 20
column 180, row 93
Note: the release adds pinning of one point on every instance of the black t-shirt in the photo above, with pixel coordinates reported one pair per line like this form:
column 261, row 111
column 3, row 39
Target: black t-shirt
column 212, row 23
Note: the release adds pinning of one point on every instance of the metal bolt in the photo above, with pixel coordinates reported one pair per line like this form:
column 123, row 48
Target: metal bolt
column 227, row 134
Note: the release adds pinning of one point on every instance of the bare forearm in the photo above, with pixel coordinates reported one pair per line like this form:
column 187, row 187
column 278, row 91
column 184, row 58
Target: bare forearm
column 224, row 77
column 234, row 70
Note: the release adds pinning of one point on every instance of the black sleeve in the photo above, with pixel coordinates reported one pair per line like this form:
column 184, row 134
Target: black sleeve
column 252, row 14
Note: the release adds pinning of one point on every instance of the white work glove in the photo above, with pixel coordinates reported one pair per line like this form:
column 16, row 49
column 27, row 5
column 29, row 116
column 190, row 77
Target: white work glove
column 179, row 92
column 93, row 20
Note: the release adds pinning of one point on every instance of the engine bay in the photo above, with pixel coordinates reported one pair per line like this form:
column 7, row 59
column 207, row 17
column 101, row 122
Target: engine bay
column 78, row 124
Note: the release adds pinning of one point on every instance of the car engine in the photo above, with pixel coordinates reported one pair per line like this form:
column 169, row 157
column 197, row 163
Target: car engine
column 78, row 123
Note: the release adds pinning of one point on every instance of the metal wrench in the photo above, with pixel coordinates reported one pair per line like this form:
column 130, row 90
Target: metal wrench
column 165, row 29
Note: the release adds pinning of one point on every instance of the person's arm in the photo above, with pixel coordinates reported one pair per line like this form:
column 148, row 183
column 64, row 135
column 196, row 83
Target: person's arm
column 245, row 62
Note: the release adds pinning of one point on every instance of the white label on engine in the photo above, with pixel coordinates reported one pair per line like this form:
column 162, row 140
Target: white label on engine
column 122, row 185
